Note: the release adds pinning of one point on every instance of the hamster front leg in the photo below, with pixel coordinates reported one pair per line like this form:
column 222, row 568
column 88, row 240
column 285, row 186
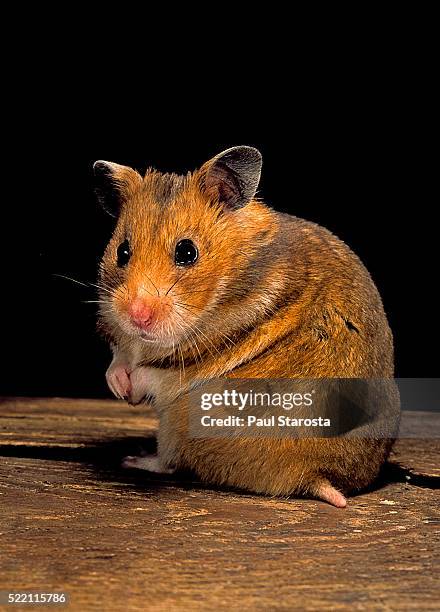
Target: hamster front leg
column 136, row 384
column 158, row 384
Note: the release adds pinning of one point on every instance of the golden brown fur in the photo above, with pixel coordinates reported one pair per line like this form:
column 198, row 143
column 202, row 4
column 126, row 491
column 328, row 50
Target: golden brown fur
column 271, row 296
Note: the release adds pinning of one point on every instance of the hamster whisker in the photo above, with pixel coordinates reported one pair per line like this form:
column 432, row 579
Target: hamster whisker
column 197, row 356
column 189, row 305
column 227, row 338
column 191, row 327
column 148, row 278
column 194, row 291
column 95, row 302
column 146, row 290
column 181, row 371
column 104, row 285
column 193, row 337
column 174, row 349
column 102, row 288
column 193, row 341
column 201, row 333
column 72, row 279
column 86, row 284
column 179, row 279
column 170, row 332
column 173, row 342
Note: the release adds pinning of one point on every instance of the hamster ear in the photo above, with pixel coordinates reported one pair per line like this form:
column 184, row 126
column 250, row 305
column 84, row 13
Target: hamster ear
column 113, row 184
column 232, row 176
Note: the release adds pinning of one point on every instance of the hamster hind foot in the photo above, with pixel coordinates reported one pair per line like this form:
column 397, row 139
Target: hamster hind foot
column 151, row 463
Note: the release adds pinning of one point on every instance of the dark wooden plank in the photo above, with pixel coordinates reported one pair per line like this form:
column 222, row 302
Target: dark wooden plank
column 118, row 540
column 72, row 423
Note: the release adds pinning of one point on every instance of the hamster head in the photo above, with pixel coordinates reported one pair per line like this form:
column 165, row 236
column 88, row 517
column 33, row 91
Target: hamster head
column 181, row 248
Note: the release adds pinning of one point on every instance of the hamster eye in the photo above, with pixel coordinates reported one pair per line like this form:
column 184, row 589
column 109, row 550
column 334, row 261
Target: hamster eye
column 186, row 253
column 123, row 253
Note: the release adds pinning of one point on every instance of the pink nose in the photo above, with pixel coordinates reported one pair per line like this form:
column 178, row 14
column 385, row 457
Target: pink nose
column 140, row 314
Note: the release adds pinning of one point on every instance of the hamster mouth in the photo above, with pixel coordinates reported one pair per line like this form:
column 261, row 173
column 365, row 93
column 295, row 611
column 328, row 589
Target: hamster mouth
column 161, row 336
column 148, row 337
column 164, row 341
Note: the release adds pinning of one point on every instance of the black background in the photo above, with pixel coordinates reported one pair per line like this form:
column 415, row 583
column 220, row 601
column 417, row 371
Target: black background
column 356, row 158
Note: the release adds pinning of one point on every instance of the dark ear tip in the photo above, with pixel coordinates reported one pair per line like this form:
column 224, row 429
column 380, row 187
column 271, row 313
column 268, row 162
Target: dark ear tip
column 243, row 154
column 249, row 151
column 100, row 166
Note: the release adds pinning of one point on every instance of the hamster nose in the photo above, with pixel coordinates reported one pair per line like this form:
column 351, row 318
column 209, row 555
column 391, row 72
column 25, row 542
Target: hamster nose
column 140, row 314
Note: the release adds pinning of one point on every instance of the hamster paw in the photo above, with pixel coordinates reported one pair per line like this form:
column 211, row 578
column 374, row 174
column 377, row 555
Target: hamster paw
column 140, row 383
column 118, row 381
column 151, row 463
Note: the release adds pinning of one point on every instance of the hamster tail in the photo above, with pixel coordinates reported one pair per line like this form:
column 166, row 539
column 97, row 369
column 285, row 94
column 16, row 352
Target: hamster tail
column 391, row 472
column 394, row 472
column 327, row 492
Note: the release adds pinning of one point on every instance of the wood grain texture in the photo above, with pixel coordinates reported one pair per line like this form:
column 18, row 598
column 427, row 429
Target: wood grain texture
column 72, row 520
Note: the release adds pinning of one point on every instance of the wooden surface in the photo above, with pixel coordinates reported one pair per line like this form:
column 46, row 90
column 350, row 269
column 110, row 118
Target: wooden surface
column 72, row 520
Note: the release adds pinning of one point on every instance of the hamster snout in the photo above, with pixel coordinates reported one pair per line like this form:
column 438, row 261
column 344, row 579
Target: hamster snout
column 140, row 313
column 149, row 317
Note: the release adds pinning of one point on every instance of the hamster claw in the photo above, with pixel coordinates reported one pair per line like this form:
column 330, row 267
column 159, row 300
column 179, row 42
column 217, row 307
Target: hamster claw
column 118, row 381
column 139, row 387
column 151, row 463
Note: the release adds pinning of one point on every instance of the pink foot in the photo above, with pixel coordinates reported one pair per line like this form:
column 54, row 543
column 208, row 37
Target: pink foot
column 118, row 381
column 151, row 463
column 328, row 493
